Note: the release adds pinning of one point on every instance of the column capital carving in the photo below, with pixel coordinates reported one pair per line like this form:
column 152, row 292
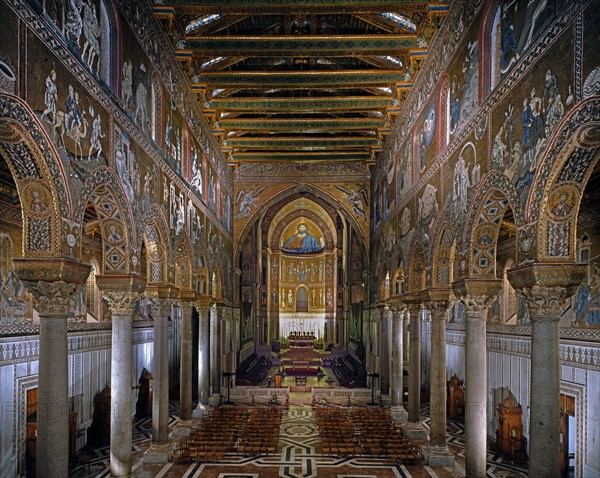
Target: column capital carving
column 546, row 303
column 120, row 291
column 52, row 297
column 477, row 295
column 437, row 301
column 161, row 297
column 186, row 306
column 202, row 304
column 546, row 286
column 438, row 308
column 413, row 302
column 51, row 281
column 398, row 311
column 477, row 306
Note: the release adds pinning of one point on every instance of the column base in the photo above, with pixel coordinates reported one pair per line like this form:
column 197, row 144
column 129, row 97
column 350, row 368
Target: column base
column 200, row 411
column 415, row 431
column 159, row 453
column 182, row 429
column 214, row 399
column 399, row 414
column 435, row 455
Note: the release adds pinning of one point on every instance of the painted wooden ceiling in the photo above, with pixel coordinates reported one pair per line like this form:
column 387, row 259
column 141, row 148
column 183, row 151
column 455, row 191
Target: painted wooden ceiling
column 300, row 80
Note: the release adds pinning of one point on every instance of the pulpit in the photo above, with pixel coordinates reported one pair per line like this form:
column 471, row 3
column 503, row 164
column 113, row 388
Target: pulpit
column 456, row 397
column 509, row 435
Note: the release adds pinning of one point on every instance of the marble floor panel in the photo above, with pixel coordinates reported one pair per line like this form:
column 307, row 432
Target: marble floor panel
column 298, row 455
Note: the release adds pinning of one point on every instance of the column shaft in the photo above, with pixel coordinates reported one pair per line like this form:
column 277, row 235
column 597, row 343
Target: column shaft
column 475, row 394
column 53, row 397
column 544, row 430
column 397, row 358
column 160, row 399
column 215, row 350
column 437, row 429
column 185, row 366
column 120, row 396
column 414, row 373
column 203, row 357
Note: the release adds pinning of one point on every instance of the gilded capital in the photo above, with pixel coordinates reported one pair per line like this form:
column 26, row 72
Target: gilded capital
column 52, row 281
column 546, row 302
column 120, row 302
column 120, row 291
column 52, row 297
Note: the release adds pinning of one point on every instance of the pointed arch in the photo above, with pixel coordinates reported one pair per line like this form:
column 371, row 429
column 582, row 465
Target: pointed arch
column 440, row 256
column 156, row 238
column 560, row 180
column 40, row 211
column 184, row 273
column 104, row 190
column 494, row 195
column 416, row 268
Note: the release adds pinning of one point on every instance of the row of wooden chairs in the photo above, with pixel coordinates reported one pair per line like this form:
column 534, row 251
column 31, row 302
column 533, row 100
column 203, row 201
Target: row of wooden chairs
column 231, row 430
column 364, row 432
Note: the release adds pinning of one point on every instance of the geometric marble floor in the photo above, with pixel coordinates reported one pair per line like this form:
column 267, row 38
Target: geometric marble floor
column 298, row 456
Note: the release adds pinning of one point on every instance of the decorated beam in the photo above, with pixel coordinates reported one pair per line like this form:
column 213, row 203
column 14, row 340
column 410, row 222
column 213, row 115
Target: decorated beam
column 300, row 45
column 303, row 143
column 309, row 125
column 303, row 105
column 299, row 79
column 244, row 7
column 303, row 156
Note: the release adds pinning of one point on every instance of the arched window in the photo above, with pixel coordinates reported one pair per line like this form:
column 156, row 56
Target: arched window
column 157, row 109
column 444, row 117
column 93, row 297
column 509, row 298
column 109, row 57
column 302, row 299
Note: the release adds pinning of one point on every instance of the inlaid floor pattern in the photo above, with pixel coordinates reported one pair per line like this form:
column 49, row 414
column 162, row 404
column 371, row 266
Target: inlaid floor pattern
column 298, row 455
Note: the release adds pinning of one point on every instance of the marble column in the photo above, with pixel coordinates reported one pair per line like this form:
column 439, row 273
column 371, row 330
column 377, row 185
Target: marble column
column 203, row 359
column 397, row 392
column 185, row 371
column 121, row 292
column 215, row 350
column 437, row 452
column 545, row 288
column 53, row 298
column 160, row 449
column 383, row 350
column 414, row 429
column 477, row 296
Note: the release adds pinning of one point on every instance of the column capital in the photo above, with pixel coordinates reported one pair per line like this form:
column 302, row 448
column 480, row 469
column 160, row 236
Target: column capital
column 162, row 298
column 202, row 303
column 546, row 287
column 437, row 301
column 186, row 306
column 51, row 281
column 120, row 291
column 477, row 295
column 413, row 302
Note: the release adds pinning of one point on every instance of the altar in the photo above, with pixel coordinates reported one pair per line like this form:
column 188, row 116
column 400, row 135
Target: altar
column 302, row 324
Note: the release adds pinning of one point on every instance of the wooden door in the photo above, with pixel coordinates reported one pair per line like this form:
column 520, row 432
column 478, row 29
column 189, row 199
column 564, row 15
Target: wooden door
column 567, row 408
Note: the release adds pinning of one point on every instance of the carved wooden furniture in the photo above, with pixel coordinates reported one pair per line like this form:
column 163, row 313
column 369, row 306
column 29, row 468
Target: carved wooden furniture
column 143, row 406
column 99, row 431
column 509, row 435
column 456, row 397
